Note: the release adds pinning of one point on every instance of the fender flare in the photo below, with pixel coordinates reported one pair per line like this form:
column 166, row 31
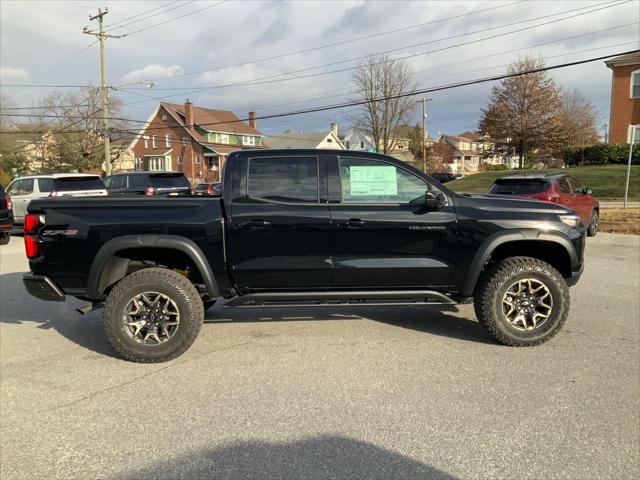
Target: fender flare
column 96, row 284
column 494, row 241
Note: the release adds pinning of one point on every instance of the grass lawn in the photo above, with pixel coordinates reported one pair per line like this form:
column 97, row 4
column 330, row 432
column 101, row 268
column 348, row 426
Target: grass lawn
column 607, row 181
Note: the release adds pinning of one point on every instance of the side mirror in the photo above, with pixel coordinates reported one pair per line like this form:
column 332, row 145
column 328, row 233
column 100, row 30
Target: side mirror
column 588, row 191
column 434, row 200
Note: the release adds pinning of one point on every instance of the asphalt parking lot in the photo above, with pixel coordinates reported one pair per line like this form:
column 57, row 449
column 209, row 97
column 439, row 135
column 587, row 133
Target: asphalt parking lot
column 394, row 392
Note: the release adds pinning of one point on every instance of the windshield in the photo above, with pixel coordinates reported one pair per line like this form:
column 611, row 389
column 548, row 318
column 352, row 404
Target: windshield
column 519, row 186
column 74, row 184
column 169, row 181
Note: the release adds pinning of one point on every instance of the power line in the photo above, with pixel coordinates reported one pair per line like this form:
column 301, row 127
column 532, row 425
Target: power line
column 125, row 20
column 274, row 79
column 464, row 61
column 415, row 92
column 173, row 19
column 334, row 44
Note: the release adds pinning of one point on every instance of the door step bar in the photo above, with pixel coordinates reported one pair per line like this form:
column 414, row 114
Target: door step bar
column 288, row 299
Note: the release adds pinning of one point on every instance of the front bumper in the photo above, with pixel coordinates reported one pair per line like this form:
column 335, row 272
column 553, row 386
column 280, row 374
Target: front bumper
column 42, row 287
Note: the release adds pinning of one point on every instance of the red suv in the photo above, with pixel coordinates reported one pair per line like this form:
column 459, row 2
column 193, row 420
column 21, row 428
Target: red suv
column 558, row 188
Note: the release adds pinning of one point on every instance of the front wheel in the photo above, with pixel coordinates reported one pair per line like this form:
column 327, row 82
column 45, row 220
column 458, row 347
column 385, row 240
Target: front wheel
column 593, row 225
column 5, row 238
column 153, row 315
column 522, row 301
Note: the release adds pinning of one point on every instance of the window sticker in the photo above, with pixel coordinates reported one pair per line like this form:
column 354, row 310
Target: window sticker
column 372, row 181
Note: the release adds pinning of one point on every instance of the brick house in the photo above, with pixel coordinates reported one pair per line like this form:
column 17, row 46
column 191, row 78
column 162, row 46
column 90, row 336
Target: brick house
column 625, row 97
column 193, row 140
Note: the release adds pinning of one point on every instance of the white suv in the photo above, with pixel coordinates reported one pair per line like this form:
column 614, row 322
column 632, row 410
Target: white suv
column 25, row 189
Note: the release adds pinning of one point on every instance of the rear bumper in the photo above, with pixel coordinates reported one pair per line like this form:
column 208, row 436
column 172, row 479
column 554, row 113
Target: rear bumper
column 42, row 287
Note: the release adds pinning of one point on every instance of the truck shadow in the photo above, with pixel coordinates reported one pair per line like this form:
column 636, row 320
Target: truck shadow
column 17, row 307
column 312, row 458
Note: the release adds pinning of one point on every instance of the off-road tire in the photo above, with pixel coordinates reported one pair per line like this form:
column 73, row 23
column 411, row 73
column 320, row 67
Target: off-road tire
column 494, row 283
column 592, row 230
column 160, row 280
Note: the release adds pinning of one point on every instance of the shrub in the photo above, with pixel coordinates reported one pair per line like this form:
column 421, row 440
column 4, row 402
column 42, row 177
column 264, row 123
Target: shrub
column 488, row 167
column 600, row 154
column 5, row 180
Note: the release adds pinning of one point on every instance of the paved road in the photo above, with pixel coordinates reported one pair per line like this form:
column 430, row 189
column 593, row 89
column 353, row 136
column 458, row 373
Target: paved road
column 319, row 393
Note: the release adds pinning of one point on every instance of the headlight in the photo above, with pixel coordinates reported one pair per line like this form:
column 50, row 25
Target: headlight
column 571, row 219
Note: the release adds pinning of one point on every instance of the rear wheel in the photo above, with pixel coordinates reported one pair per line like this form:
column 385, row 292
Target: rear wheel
column 594, row 224
column 522, row 301
column 153, row 315
column 5, row 238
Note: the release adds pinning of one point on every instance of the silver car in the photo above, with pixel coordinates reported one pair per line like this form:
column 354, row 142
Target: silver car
column 25, row 189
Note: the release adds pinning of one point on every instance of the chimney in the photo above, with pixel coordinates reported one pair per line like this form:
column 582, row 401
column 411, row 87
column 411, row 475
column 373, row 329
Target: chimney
column 334, row 128
column 188, row 114
column 252, row 119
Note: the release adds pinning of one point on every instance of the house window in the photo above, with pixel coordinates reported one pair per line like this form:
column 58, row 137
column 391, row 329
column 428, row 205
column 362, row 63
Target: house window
column 635, row 132
column 179, row 160
column 362, row 145
column 146, row 141
column 248, row 140
column 212, row 163
column 154, row 141
column 223, row 138
column 185, row 141
column 197, row 159
column 167, row 140
column 329, row 140
column 635, row 84
column 157, row 164
column 139, row 165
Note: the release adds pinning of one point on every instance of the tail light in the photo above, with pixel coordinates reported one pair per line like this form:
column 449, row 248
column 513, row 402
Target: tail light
column 32, row 223
column 210, row 190
column 8, row 201
column 149, row 191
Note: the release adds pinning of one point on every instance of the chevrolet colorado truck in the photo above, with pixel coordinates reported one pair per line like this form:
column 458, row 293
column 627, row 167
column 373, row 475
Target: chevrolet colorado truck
column 300, row 228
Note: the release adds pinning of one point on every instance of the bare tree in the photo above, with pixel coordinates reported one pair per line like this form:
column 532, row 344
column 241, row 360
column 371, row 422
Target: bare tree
column 6, row 109
column 378, row 79
column 79, row 126
column 578, row 120
column 525, row 112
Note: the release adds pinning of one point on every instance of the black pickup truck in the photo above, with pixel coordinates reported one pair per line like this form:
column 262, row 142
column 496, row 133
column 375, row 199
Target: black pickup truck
column 304, row 227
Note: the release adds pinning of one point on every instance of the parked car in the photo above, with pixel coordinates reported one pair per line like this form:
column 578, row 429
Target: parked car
column 560, row 188
column 25, row 189
column 443, row 177
column 6, row 216
column 208, row 189
column 148, row 183
column 305, row 227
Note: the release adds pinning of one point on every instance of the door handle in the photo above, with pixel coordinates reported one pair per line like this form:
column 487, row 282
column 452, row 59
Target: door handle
column 353, row 223
column 255, row 223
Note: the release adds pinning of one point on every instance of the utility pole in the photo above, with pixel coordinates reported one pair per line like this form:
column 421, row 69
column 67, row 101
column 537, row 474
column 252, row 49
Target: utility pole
column 606, row 134
column 101, row 35
column 424, row 132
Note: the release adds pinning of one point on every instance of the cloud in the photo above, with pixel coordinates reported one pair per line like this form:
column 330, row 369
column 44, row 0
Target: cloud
column 12, row 74
column 152, row 72
column 279, row 28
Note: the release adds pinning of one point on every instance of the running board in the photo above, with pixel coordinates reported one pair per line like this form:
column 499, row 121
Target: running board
column 288, row 299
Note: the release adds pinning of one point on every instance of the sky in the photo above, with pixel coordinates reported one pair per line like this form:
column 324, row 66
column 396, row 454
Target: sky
column 205, row 50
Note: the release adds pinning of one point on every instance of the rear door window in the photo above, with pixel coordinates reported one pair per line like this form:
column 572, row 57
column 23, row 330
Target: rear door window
column 563, row 183
column 45, row 185
column 75, row 184
column 284, row 179
column 26, row 186
column 138, row 181
column 519, row 187
column 169, row 181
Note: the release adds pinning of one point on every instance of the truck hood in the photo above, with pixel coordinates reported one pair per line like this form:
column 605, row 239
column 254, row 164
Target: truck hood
column 510, row 204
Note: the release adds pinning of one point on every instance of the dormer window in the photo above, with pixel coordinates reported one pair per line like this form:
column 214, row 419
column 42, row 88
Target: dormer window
column 248, row 140
column 154, row 141
column 223, row 138
column 146, row 141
